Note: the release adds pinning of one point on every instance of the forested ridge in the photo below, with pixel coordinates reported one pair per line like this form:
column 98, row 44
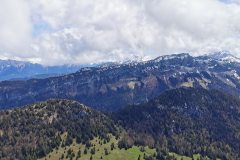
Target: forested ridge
column 33, row 131
column 186, row 121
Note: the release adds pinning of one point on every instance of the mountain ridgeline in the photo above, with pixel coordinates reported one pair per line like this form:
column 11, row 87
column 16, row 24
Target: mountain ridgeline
column 185, row 121
column 20, row 70
column 113, row 86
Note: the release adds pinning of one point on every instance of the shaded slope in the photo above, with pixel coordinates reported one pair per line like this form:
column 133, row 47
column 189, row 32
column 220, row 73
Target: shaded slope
column 187, row 121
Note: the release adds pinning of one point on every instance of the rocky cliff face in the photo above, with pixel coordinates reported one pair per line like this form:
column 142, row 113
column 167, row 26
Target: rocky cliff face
column 109, row 87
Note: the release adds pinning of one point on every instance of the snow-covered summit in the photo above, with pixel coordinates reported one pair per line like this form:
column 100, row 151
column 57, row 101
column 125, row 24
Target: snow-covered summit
column 173, row 56
column 224, row 56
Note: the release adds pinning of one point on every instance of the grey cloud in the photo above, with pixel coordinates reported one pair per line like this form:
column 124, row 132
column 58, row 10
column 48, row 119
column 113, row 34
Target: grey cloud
column 89, row 31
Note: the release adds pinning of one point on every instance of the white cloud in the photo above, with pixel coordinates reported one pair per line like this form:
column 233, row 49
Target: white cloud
column 15, row 27
column 93, row 31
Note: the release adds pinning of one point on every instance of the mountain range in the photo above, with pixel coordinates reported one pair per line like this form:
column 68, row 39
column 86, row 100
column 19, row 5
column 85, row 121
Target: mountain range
column 112, row 86
column 20, row 70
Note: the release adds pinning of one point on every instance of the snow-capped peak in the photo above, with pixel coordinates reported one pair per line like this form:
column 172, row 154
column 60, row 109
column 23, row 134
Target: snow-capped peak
column 224, row 56
column 173, row 56
column 13, row 63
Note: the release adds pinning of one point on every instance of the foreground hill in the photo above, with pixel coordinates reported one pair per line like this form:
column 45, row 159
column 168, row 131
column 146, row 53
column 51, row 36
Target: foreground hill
column 186, row 121
column 112, row 86
column 34, row 131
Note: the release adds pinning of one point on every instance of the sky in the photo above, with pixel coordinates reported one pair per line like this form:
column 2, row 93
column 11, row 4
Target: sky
column 55, row 32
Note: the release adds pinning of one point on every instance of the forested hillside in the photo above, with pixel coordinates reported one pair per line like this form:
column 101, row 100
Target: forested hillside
column 34, row 131
column 186, row 121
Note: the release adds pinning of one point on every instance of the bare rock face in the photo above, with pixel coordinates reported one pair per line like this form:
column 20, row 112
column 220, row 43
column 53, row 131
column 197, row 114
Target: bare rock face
column 110, row 87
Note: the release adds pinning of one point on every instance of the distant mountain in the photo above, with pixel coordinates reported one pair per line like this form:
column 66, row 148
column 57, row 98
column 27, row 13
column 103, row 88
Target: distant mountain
column 224, row 57
column 186, row 121
column 19, row 70
column 112, row 86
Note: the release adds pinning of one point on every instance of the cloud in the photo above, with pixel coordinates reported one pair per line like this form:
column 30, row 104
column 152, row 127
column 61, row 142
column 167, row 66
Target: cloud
column 88, row 31
column 196, row 26
column 15, row 27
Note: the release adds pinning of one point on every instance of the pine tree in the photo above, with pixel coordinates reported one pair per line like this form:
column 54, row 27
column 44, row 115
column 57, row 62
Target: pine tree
column 85, row 151
column 112, row 146
column 139, row 157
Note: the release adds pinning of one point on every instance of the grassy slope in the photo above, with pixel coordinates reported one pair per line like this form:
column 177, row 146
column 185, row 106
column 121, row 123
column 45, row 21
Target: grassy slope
column 115, row 154
column 195, row 157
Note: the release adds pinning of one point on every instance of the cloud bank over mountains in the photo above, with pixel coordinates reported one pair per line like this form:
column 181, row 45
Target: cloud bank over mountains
column 87, row 31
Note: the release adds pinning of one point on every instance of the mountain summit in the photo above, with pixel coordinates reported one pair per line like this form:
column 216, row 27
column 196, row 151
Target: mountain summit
column 224, row 56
